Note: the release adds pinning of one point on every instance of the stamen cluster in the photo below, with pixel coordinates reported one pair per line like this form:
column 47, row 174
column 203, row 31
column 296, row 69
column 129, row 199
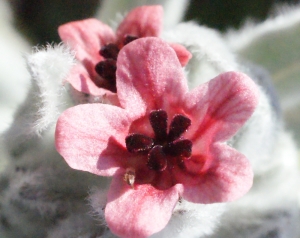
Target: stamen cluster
column 166, row 148
column 108, row 67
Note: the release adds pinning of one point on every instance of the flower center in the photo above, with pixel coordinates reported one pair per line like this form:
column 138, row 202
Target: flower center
column 107, row 67
column 166, row 149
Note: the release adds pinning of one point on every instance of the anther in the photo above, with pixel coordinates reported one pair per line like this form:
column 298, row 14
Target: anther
column 157, row 159
column 181, row 148
column 128, row 39
column 159, row 122
column 107, row 70
column 138, row 143
column 109, row 51
column 178, row 126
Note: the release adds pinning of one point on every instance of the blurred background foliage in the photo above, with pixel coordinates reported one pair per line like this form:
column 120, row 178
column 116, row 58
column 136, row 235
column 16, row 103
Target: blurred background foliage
column 221, row 14
column 39, row 19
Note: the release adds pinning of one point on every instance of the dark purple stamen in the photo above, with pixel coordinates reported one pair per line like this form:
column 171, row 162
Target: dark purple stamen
column 138, row 143
column 159, row 122
column 128, row 39
column 110, row 51
column 157, row 159
column 182, row 148
column 107, row 69
column 165, row 149
column 178, row 126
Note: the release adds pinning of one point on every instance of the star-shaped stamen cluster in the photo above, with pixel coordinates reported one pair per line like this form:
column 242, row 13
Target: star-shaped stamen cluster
column 166, row 148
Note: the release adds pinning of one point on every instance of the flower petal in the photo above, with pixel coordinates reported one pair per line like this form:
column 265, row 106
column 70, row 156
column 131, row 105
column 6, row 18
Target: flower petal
column 225, row 177
column 220, row 107
column 91, row 137
column 142, row 22
column 149, row 71
column 138, row 212
column 80, row 79
column 182, row 53
column 86, row 37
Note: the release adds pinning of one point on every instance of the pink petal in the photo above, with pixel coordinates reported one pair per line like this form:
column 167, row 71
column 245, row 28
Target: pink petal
column 225, row 177
column 80, row 79
column 182, row 53
column 220, row 107
column 91, row 137
column 86, row 37
column 138, row 212
column 149, row 71
column 142, row 22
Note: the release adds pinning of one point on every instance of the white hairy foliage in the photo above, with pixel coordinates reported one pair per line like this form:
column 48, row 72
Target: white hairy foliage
column 14, row 77
column 285, row 18
column 44, row 195
column 274, row 44
column 46, row 99
column 192, row 220
column 48, row 68
column 79, row 225
column 97, row 200
column 211, row 55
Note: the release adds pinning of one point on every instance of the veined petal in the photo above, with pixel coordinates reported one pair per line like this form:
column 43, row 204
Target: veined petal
column 91, row 137
column 86, row 37
column 138, row 212
column 142, row 22
column 220, row 107
column 149, row 71
column 224, row 177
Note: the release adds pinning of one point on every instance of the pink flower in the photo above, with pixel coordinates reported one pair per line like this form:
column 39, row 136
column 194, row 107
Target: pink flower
column 164, row 142
column 97, row 47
